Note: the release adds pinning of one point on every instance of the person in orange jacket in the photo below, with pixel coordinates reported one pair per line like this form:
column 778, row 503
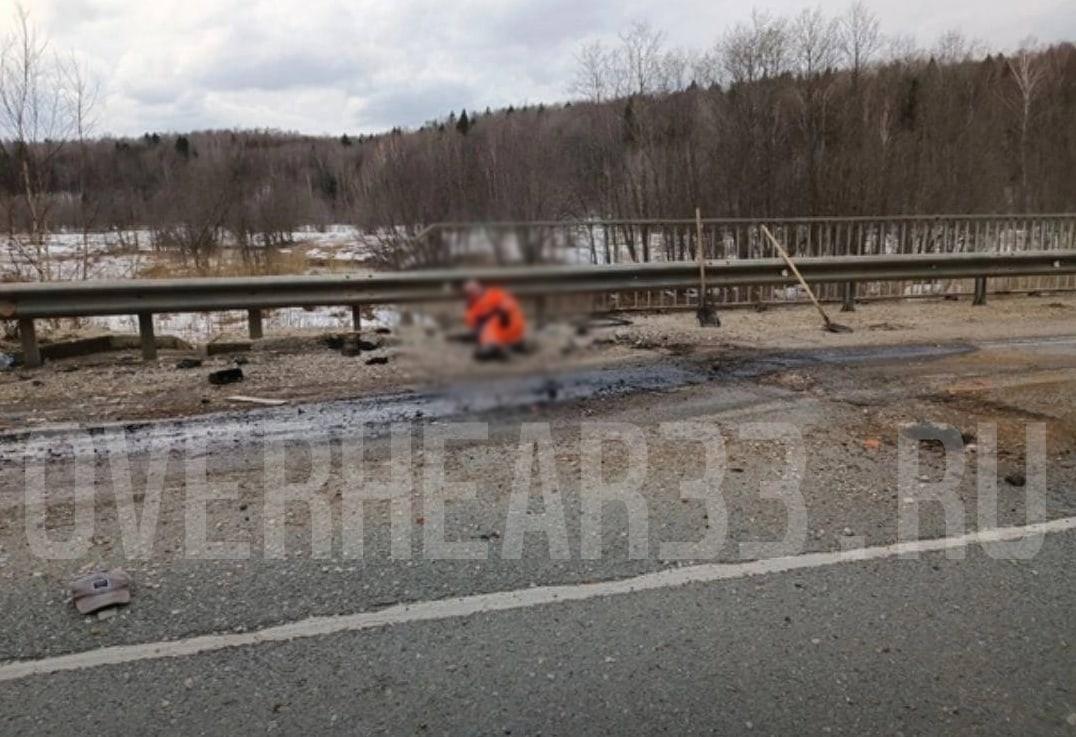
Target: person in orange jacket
column 496, row 319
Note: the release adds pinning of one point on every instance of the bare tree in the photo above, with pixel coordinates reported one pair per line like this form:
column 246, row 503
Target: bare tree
column 953, row 47
column 36, row 122
column 815, row 40
column 860, row 37
column 82, row 92
column 1029, row 72
column 903, row 48
column 640, row 59
column 592, row 72
column 756, row 51
column 675, row 70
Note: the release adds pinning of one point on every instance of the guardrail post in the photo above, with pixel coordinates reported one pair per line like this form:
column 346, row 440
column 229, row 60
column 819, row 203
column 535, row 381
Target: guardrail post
column 149, row 340
column 848, row 300
column 356, row 318
column 980, row 291
column 31, row 354
column 254, row 323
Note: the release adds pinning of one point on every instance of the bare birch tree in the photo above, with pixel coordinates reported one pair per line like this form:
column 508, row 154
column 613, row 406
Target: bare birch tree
column 38, row 117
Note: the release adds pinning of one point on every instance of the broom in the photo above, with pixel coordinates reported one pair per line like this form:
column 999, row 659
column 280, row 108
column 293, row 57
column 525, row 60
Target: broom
column 827, row 324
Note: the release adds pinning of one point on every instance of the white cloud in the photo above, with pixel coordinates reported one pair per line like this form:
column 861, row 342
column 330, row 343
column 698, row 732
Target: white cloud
column 364, row 65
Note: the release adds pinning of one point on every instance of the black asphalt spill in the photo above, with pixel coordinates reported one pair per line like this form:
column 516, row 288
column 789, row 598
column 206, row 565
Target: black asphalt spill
column 375, row 413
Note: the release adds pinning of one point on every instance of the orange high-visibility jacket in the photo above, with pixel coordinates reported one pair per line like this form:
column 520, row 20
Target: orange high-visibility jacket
column 497, row 318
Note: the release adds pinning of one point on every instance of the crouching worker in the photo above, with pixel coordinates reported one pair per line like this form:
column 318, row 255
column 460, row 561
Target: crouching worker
column 496, row 320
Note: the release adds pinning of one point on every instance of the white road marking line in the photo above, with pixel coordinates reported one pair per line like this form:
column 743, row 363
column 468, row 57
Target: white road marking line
column 508, row 600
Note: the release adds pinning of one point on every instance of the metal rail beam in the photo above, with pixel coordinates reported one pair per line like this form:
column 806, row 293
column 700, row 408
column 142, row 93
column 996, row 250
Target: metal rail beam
column 27, row 302
column 90, row 298
column 514, row 224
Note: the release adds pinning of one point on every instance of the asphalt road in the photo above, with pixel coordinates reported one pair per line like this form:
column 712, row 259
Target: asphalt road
column 926, row 646
column 887, row 646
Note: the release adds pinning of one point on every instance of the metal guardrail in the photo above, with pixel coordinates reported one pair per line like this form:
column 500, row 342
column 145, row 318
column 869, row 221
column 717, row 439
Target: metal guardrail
column 28, row 302
column 645, row 240
column 596, row 241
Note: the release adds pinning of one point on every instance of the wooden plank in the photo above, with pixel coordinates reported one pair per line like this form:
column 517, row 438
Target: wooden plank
column 257, row 400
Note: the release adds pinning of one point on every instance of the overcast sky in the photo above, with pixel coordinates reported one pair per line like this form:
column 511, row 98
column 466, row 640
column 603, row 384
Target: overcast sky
column 330, row 66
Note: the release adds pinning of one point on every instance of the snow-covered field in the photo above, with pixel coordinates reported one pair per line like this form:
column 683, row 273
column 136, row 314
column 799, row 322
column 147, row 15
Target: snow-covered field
column 199, row 327
column 131, row 255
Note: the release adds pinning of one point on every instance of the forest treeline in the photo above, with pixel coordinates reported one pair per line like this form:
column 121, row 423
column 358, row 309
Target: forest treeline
column 796, row 116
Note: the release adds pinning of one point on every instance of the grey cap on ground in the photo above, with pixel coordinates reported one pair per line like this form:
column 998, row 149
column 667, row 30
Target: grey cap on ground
column 101, row 589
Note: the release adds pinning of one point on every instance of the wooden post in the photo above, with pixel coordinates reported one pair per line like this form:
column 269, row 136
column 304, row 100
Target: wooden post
column 848, row 298
column 980, row 291
column 541, row 310
column 149, row 341
column 706, row 314
column 702, row 258
column 254, row 323
column 31, row 354
column 855, row 236
column 356, row 318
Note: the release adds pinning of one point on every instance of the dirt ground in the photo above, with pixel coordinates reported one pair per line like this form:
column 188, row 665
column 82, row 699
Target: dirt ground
column 849, row 415
column 301, row 368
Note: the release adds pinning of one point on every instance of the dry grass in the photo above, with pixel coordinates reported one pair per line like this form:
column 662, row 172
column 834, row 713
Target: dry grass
column 230, row 262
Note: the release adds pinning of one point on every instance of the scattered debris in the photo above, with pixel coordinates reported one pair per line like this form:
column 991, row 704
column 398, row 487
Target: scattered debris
column 933, row 435
column 240, row 360
column 226, row 376
column 1016, row 479
column 7, row 361
column 377, row 361
column 188, row 363
column 707, row 316
column 257, row 400
column 383, row 331
column 887, row 326
column 792, row 380
column 100, row 590
column 353, row 345
column 872, row 444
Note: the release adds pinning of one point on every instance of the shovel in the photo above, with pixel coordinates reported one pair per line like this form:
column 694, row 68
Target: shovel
column 827, row 324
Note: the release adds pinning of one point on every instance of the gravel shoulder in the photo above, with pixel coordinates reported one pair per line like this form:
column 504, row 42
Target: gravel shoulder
column 299, row 368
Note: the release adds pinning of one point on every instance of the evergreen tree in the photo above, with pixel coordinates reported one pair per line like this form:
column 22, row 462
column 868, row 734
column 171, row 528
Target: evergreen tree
column 463, row 125
column 183, row 147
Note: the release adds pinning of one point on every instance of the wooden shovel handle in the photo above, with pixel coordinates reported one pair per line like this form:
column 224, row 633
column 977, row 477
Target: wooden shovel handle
column 785, row 256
